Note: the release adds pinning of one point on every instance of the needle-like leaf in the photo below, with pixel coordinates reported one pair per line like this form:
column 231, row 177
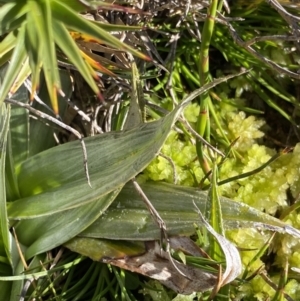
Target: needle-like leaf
column 17, row 60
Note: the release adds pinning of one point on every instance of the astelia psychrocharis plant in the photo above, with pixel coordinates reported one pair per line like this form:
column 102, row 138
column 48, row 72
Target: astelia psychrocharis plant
column 33, row 30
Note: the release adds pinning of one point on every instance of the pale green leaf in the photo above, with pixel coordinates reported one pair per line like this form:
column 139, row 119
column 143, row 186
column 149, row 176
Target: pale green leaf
column 42, row 234
column 54, row 180
column 23, row 74
column 8, row 43
column 71, row 50
column 41, row 15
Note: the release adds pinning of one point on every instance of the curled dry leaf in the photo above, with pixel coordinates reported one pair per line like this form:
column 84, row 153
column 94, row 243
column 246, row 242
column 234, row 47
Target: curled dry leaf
column 155, row 264
column 232, row 256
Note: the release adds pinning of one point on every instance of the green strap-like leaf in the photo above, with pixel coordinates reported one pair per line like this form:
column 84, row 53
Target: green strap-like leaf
column 129, row 219
column 8, row 43
column 45, row 233
column 54, row 180
column 34, row 53
column 41, row 15
column 5, row 243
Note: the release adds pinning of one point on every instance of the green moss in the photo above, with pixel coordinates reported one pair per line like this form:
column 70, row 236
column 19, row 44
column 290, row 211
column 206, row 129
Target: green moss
column 265, row 191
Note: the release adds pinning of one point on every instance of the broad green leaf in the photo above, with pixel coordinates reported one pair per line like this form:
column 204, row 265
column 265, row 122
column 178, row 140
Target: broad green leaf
column 128, row 218
column 5, row 287
column 17, row 142
column 43, row 234
column 54, row 180
column 65, row 197
column 5, row 243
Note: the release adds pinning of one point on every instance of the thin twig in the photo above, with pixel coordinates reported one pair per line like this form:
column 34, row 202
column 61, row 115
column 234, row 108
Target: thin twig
column 29, row 281
column 160, row 222
column 28, row 85
column 260, row 57
column 187, row 126
column 59, row 123
column 289, row 18
column 193, row 132
column 269, row 281
column 175, row 176
column 83, row 115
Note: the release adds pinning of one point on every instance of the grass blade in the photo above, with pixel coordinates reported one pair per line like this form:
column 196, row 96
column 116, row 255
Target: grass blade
column 17, row 60
column 41, row 15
